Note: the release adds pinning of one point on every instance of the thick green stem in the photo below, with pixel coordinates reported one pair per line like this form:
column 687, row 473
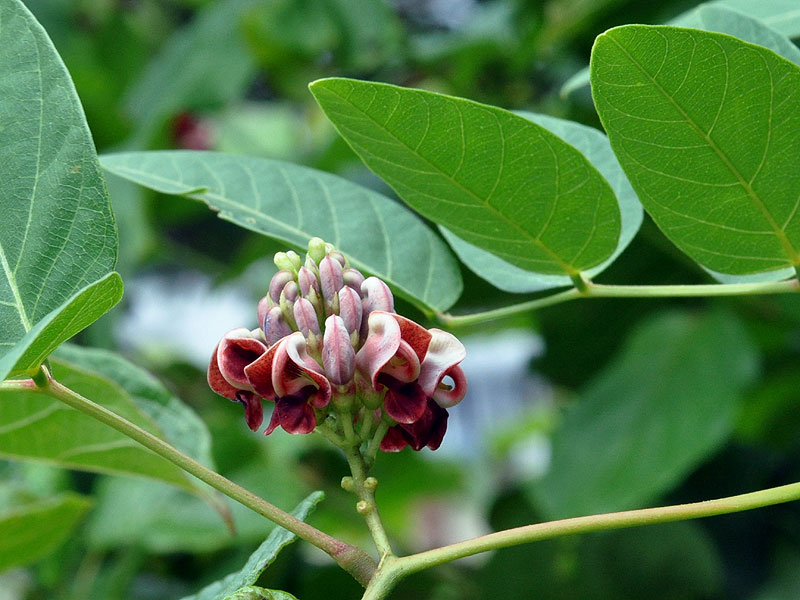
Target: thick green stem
column 367, row 507
column 594, row 290
column 631, row 518
column 354, row 560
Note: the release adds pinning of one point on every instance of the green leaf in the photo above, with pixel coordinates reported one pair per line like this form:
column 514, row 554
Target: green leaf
column 707, row 130
column 493, row 178
column 596, row 148
column 33, row 531
column 260, row 559
column 750, row 20
column 652, row 416
column 36, row 427
column 58, row 236
column 293, row 203
column 78, row 312
column 181, row 426
column 252, row 592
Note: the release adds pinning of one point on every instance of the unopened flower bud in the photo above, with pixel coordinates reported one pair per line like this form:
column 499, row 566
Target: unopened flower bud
column 316, row 249
column 376, row 296
column 289, row 296
column 275, row 327
column 350, row 308
column 277, row 283
column 348, row 484
column 306, row 317
column 353, row 278
column 289, row 261
column 338, row 356
column 339, row 257
column 263, row 307
column 311, row 265
column 306, row 280
column 331, row 278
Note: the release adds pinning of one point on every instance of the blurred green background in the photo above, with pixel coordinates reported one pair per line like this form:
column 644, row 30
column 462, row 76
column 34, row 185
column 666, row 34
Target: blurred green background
column 585, row 407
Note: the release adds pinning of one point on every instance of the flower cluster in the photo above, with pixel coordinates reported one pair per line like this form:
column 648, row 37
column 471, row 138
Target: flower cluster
column 329, row 348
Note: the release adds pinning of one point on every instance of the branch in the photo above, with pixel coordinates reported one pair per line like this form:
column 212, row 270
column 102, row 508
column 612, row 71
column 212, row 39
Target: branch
column 594, row 290
column 352, row 559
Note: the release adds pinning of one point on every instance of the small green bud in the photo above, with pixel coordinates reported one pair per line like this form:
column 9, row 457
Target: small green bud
column 316, row 249
column 363, row 507
column 348, row 485
column 370, row 483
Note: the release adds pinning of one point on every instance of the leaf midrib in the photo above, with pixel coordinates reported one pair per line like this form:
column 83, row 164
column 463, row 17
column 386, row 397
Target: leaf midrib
column 793, row 255
column 12, row 283
column 567, row 267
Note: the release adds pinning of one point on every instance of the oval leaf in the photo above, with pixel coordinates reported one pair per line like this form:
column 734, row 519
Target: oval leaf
column 707, row 130
column 33, row 531
column 596, row 148
column 491, row 177
column 294, row 204
column 653, row 415
column 58, row 236
column 36, row 427
column 260, row 559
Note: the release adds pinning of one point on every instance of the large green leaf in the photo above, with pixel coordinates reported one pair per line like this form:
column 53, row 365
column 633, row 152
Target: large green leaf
column 665, row 403
column 294, row 203
column 596, row 148
column 252, row 592
column 36, row 427
column 707, row 129
column 260, row 559
column 57, row 236
column 32, row 531
column 494, row 178
column 181, row 426
column 766, row 23
column 61, row 324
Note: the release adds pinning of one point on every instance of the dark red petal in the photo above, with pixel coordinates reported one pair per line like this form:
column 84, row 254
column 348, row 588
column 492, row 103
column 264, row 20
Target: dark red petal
column 394, row 440
column 406, row 404
column 236, row 350
column 253, row 410
column 217, row 381
column 259, row 372
column 429, row 430
column 415, row 335
column 295, row 415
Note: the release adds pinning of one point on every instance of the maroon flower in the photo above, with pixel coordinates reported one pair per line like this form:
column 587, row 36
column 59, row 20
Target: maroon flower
column 330, row 348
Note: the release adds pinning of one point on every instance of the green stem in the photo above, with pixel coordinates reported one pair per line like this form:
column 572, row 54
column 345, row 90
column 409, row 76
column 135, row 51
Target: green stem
column 631, row 518
column 365, row 491
column 594, row 290
column 350, row 558
column 375, row 443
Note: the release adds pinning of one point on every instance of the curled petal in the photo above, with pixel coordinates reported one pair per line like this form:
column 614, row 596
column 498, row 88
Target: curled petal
column 306, row 280
column 331, row 277
column 293, row 369
column 259, row 372
column 353, row 279
column 406, row 403
column 447, row 397
column 306, row 317
column 380, row 346
column 338, row 356
column 235, row 351
column 394, row 440
column 275, row 327
column 350, row 308
column 294, row 415
column 444, row 352
column 427, row 431
column 278, row 282
column 217, row 382
column 253, row 410
column 403, row 366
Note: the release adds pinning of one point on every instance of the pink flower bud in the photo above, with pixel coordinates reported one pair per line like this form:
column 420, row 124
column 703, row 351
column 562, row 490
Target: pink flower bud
column 306, row 317
column 275, row 327
column 353, row 278
column 278, row 282
column 331, row 278
column 350, row 308
column 338, row 356
column 376, row 296
column 262, row 309
column 306, row 280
